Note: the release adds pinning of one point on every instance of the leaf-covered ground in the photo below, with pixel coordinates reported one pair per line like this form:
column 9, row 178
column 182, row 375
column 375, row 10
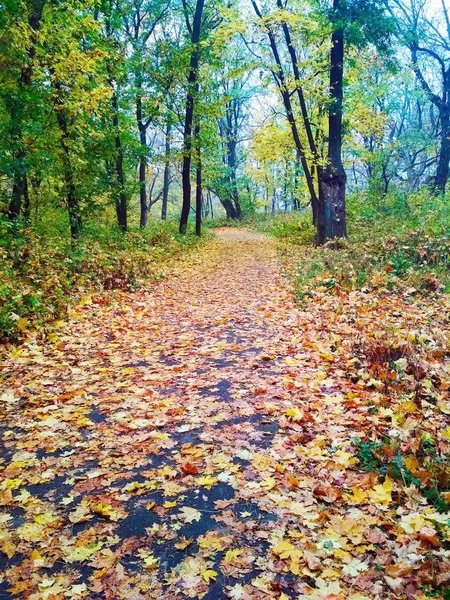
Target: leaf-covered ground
column 200, row 440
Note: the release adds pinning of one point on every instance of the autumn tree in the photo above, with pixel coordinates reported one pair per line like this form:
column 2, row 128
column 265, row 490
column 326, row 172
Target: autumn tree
column 427, row 37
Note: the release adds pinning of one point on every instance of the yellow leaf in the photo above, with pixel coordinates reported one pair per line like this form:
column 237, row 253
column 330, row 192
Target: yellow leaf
column 77, row 590
column 446, row 434
column 190, row 514
column 412, row 523
column 209, row 575
column 382, row 494
column 106, row 510
column 80, row 553
column 7, row 547
column 168, row 504
column 286, row 550
column 231, row 555
column 131, row 487
column 294, row 413
column 207, row 481
column 359, row 496
column 268, row 483
column 45, row 518
column 151, row 562
column 11, row 484
column 22, row 324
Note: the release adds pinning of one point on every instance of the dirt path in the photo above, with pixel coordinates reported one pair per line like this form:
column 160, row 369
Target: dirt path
column 190, row 441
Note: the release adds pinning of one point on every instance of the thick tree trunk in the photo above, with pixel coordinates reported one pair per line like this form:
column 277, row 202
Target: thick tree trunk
column 331, row 216
column 442, row 172
column 229, row 207
column 190, row 101
column 166, row 184
column 20, row 178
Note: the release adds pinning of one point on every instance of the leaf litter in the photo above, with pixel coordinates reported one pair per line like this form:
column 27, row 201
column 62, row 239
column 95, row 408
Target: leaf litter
column 207, row 438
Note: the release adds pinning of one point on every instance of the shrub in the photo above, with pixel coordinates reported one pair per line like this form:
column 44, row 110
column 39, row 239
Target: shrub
column 41, row 273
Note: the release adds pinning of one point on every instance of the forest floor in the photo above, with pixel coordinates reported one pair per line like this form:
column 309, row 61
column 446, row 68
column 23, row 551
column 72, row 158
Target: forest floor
column 199, row 439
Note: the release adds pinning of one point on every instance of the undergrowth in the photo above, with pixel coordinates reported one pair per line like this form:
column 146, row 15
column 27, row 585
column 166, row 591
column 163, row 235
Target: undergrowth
column 397, row 254
column 42, row 272
column 392, row 242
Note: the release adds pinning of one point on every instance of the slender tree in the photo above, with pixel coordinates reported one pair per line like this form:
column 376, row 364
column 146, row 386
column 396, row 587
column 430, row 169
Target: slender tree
column 195, row 32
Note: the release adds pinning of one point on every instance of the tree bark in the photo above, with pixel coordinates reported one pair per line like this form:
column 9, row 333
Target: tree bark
column 331, row 217
column 198, row 186
column 231, row 155
column 442, row 171
column 166, row 183
column 73, row 206
column 442, row 103
column 190, row 101
column 142, row 156
column 120, row 195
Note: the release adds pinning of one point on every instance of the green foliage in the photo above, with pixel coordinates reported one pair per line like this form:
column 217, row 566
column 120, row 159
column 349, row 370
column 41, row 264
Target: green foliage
column 295, row 228
column 393, row 242
column 41, row 275
column 387, row 458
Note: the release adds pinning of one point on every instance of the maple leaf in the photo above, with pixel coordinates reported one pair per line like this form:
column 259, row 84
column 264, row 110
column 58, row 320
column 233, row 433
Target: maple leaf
column 76, row 591
column 209, row 575
column 106, row 510
column 382, row 494
column 189, row 515
column 80, row 553
column 151, row 562
column 231, row 555
column 189, row 468
column 355, row 567
column 183, row 543
column 286, row 550
column 295, row 414
column 207, row 481
column 268, row 483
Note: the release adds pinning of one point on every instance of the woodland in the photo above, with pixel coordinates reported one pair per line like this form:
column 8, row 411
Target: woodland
column 224, row 299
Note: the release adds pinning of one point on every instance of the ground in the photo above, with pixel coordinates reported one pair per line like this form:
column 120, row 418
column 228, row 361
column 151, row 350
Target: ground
column 197, row 440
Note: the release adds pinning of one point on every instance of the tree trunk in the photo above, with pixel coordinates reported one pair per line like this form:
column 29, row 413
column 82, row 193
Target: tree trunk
column 198, row 188
column 231, row 155
column 442, row 172
column 20, row 178
column 166, row 183
column 331, row 216
column 190, row 101
column 142, row 155
column 229, row 207
column 120, row 195
column 73, row 206
column 283, row 88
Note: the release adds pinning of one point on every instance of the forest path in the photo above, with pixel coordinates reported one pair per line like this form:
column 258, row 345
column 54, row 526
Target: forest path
column 190, row 440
